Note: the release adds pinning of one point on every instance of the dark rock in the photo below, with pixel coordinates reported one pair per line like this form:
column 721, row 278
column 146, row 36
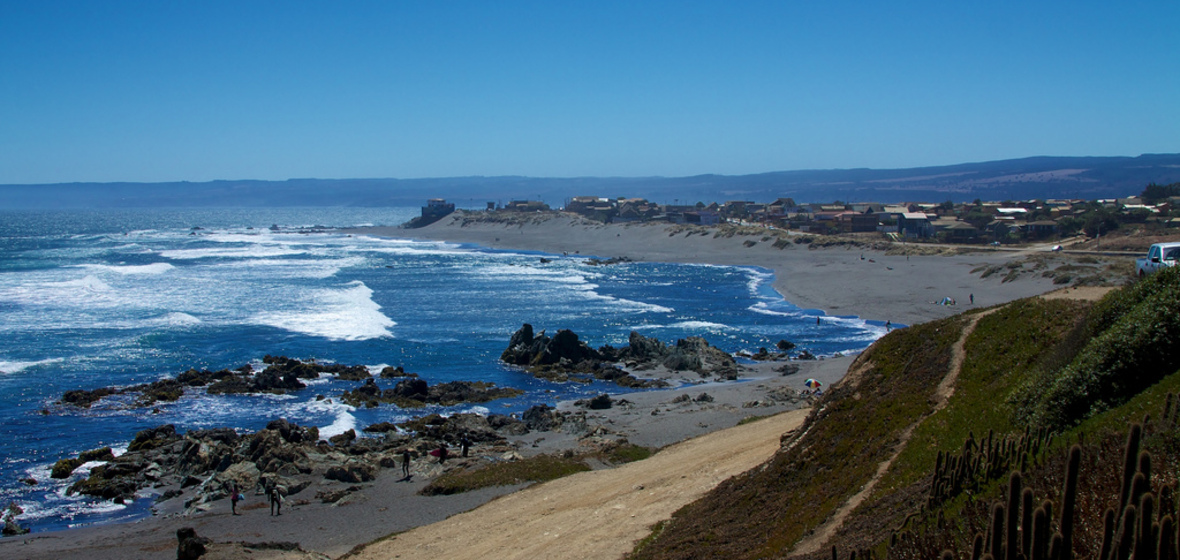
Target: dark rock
column 189, row 545
column 152, row 438
column 642, row 348
column 600, row 402
column 352, row 471
column 507, row 425
column 227, row 436
column 84, row 399
column 704, row 397
column 539, row 418
column 101, row 454
column 63, row 468
column 785, row 345
column 344, row 439
column 390, row 372
column 331, row 496
column 412, row 388
column 381, row 428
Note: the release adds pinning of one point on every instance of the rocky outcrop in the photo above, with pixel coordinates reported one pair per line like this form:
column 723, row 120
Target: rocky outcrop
column 415, row 393
column 189, row 545
column 564, row 357
column 281, row 375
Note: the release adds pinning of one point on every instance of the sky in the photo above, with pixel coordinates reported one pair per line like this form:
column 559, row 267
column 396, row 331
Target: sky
column 204, row 90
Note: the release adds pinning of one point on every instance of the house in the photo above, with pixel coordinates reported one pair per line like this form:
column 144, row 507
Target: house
column 526, row 206
column 954, row 230
column 1040, row 229
column 856, row 222
column 702, row 217
column 914, row 224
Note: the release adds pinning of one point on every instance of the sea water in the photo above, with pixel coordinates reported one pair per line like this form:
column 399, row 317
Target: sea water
column 91, row 299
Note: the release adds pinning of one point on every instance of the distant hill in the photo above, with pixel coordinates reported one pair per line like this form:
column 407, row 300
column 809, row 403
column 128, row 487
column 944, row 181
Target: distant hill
column 1015, row 179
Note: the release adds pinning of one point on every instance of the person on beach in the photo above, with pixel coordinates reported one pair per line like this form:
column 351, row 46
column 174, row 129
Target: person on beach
column 442, row 453
column 275, row 496
column 406, row 463
column 972, row 296
column 234, row 496
column 466, row 444
column 888, row 326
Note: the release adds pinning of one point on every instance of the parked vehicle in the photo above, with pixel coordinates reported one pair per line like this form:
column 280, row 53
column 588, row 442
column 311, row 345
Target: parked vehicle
column 1160, row 255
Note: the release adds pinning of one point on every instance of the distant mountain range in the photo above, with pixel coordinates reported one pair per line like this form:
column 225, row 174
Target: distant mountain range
column 1014, row 179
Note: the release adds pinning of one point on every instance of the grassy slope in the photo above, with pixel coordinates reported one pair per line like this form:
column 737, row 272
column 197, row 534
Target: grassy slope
column 765, row 512
column 835, row 452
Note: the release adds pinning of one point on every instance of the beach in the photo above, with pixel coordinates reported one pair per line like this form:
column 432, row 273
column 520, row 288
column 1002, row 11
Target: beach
column 897, row 288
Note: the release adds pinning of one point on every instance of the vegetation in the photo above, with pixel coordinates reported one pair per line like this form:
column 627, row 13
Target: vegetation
column 1133, row 337
column 1048, row 393
column 533, row 469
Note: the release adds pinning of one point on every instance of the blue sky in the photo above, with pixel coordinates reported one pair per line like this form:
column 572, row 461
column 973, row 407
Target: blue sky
column 203, row 90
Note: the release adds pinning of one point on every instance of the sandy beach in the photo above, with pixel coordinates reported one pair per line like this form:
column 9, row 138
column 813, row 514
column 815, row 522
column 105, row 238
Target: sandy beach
column 870, row 285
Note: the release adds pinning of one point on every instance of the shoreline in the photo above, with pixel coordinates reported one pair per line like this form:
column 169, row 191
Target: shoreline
column 865, row 283
column 870, row 285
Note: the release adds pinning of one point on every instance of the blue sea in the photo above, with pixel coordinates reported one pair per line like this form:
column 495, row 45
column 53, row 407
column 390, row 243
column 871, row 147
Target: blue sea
column 118, row 297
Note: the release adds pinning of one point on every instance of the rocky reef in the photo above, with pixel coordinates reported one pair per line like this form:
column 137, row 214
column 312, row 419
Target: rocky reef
column 565, row 357
column 284, row 374
column 415, row 393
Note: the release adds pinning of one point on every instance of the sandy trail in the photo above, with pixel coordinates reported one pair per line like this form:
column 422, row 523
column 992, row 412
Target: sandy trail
column 599, row 514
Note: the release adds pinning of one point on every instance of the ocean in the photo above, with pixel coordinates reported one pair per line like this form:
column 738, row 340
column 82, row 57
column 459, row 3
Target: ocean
column 90, row 299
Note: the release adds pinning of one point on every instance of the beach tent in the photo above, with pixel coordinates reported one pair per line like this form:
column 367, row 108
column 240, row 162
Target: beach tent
column 812, row 383
column 946, row 301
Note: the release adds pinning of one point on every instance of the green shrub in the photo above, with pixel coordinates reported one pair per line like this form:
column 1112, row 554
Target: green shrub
column 1136, row 331
column 533, row 469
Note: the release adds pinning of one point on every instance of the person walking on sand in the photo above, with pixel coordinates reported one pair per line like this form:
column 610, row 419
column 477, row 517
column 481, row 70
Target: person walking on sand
column 406, row 463
column 234, row 496
column 275, row 497
column 972, row 296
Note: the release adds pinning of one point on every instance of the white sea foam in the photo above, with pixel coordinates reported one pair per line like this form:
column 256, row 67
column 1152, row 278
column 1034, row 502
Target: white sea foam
column 253, row 252
column 687, row 325
column 340, row 314
column 17, row 367
column 87, row 284
column 765, row 309
column 154, row 268
column 294, row 268
column 342, row 422
column 175, row 319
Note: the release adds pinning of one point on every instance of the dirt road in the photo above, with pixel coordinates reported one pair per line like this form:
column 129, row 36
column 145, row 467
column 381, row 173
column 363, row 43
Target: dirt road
column 599, row 514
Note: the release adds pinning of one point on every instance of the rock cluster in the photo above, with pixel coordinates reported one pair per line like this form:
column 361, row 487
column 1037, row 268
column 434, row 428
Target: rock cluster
column 412, row 392
column 203, row 465
column 563, row 357
column 282, row 374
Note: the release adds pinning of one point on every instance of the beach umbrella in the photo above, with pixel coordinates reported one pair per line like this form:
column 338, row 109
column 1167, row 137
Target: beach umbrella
column 812, row 383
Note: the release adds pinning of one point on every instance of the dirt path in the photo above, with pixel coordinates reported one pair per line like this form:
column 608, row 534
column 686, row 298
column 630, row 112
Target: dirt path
column 599, row 514
column 942, row 394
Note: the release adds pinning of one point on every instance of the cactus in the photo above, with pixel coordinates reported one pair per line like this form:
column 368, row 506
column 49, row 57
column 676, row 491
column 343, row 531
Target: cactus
column 1026, row 522
column 1145, row 539
column 1012, row 524
column 1108, row 520
column 1130, row 456
column 1039, row 548
column 1069, row 498
column 995, row 533
column 1167, row 540
column 1125, row 541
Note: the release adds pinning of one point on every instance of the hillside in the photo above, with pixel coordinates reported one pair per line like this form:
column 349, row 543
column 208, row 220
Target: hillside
column 911, row 453
column 1013, row 179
